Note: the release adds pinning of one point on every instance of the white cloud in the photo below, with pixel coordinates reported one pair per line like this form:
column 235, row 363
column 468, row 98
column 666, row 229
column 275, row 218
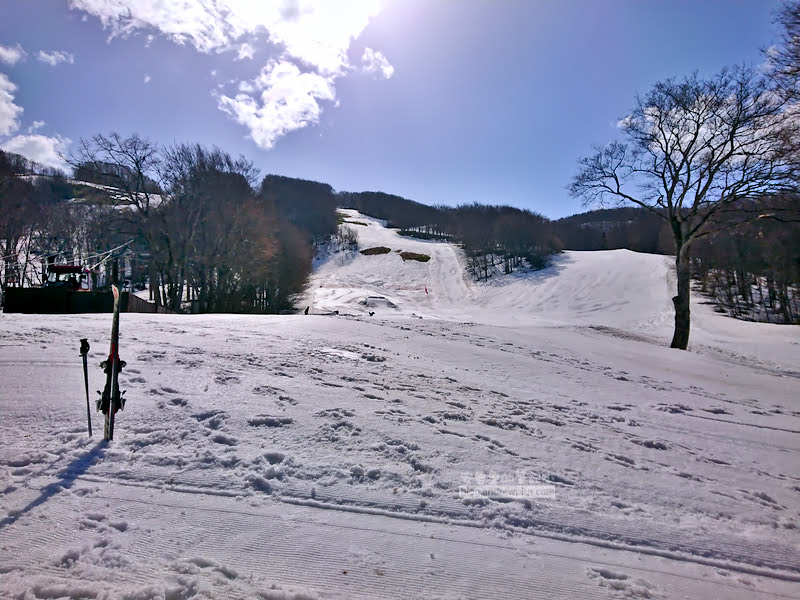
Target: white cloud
column 310, row 40
column 374, row 62
column 289, row 100
column 245, row 51
column 625, row 122
column 9, row 112
column 43, row 149
column 319, row 33
column 202, row 23
column 55, row 57
column 147, row 78
column 316, row 32
column 11, row 54
column 48, row 151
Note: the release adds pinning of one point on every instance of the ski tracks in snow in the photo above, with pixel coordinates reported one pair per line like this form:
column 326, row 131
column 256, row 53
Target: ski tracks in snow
column 376, row 420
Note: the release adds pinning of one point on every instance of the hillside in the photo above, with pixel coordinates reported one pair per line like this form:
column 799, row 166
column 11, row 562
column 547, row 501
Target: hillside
column 590, row 288
column 621, row 289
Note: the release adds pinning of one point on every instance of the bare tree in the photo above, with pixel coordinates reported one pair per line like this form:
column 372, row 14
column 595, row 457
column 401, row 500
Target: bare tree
column 128, row 169
column 129, row 165
column 784, row 59
column 19, row 218
column 783, row 62
column 692, row 148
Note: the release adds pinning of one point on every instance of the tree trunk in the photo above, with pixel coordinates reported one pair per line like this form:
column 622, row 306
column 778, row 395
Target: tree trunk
column 680, row 338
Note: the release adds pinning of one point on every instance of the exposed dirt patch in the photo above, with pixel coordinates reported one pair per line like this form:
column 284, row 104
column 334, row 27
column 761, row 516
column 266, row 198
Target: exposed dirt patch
column 376, row 250
column 415, row 256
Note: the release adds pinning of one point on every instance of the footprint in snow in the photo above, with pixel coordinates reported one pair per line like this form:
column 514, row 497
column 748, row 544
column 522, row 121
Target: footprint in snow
column 652, row 444
column 676, row 409
column 584, row 446
column 717, row 411
column 225, row 440
column 194, row 564
column 621, row 459
column 621, row 582
column 264, row 390
column 213, row 419
column 763, row 498
column 607, row 574
column 268, row 421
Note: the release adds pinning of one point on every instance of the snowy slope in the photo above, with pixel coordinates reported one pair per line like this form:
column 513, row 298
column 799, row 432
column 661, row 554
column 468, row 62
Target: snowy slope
column 610, row 288
column 616, row 289
column 336, row 456
column 346, row 281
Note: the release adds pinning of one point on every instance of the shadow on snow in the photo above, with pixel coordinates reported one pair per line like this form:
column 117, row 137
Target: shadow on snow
column 67, row 477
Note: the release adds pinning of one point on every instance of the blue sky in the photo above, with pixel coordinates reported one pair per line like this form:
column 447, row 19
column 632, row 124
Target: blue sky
column 440, row 101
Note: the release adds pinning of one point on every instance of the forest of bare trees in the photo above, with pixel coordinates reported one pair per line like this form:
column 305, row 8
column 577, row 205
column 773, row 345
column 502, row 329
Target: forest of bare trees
column 631, row 228
column 206, row 239
column 185, row 219
column 750, row 268
column 29, row 197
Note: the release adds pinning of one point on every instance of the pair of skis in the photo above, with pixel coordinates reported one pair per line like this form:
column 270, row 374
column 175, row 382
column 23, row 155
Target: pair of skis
column 111, row 399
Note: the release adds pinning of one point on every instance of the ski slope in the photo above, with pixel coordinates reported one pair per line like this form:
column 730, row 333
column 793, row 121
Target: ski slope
column 612, row 287
column 617, row 289
column 530, row 437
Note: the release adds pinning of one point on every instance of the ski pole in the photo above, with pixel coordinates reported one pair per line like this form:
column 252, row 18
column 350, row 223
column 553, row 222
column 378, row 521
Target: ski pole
column 84, row 352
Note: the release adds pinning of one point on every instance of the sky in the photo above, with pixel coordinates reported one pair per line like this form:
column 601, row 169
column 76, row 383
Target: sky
column 440, row 101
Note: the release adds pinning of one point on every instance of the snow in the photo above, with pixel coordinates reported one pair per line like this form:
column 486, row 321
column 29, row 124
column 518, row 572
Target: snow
column 634, row 288
column 338, row 456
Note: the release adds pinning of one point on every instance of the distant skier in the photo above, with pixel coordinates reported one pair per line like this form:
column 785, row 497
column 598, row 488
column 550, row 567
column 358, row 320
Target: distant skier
column 305, row 312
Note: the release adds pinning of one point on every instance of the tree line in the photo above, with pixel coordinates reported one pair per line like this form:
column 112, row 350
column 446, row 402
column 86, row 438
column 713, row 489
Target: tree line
column 197, row 226
column 190, row 219
column 631, row 228
column 496, row 239
column 750, row 268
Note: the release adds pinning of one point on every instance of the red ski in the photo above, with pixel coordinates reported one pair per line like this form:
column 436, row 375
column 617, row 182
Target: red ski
column 111, row 399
